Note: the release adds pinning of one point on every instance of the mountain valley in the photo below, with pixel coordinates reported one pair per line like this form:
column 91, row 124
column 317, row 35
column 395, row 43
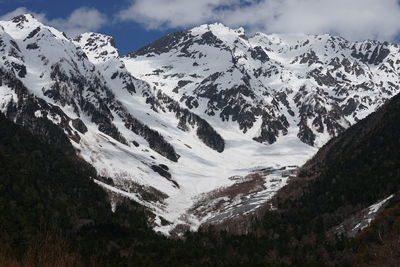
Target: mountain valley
column 270, row 136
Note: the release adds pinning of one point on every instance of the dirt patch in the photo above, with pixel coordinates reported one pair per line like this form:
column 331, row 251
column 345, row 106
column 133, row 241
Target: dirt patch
column 216, row 199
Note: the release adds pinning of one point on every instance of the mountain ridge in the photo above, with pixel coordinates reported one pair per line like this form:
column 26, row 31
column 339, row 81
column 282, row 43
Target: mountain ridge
column 160, row 122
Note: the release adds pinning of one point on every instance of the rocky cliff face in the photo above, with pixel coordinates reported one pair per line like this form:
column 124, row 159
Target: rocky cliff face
column 183, row 115
column 318, row 85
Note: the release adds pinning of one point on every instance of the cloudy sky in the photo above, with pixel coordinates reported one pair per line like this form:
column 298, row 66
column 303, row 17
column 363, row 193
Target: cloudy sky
column 134, row 23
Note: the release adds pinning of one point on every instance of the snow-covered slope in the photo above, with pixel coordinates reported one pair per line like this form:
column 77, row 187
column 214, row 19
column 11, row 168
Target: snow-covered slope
column 271, row 84
column 191, row 112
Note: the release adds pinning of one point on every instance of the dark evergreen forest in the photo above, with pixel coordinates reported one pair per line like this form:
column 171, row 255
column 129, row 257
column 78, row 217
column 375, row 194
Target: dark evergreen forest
column 53, row 214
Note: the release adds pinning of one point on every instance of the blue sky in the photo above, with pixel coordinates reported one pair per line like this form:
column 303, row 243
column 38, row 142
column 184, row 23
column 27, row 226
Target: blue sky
column 135, row 23
column 129, row 35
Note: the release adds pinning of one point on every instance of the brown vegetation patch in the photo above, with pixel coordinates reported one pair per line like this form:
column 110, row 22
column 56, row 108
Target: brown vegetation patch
column 219, row 197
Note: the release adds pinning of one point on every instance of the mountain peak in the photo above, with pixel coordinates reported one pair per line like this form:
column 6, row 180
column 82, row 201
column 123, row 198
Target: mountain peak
column 25, row 18
column 217, row 28
column 97, row 36
column 25, row 25
column 98, row 47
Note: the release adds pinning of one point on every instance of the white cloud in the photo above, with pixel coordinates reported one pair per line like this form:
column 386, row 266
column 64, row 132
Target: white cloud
column 353, row 19
column 79, row 21
column 19, row 11
column 171, row 13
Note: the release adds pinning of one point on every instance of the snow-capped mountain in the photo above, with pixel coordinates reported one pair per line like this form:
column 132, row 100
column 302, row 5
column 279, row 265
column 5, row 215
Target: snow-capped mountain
column 270, row 83
column 194, row 112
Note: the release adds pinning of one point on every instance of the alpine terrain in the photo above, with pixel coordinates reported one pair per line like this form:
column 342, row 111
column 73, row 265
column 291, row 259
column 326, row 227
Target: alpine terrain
column 201, row 125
